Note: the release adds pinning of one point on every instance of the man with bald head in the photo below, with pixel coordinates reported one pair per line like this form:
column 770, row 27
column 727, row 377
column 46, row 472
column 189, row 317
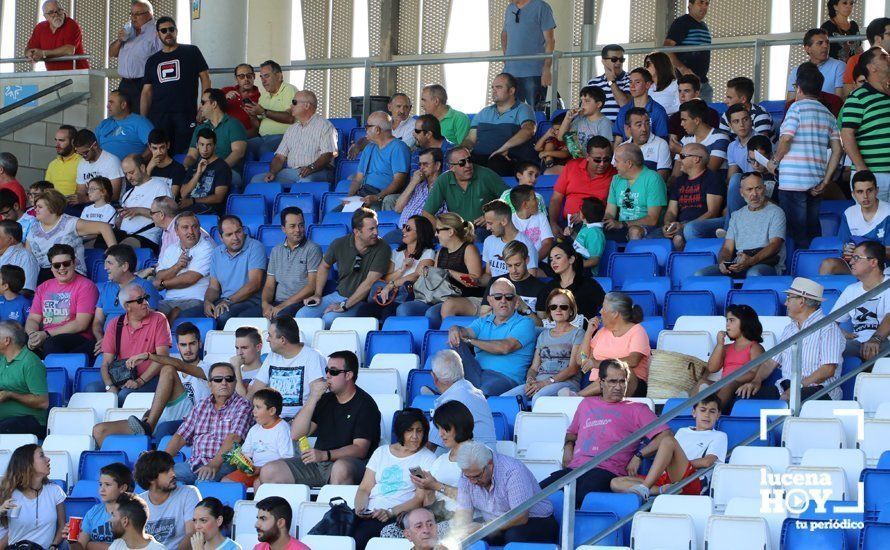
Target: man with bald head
column 384, row 165
column 57, row 36
column 636, row 197
column 135, row 218
column 136, row 41
column 695, row 201
column 308, row 148
column 123, row 132
column 503, row 342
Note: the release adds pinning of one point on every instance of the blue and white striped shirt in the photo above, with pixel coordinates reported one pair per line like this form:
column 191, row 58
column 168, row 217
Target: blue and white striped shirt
column 812, row 127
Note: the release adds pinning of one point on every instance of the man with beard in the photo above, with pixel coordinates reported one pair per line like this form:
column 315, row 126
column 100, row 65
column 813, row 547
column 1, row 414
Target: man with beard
column 134, row 217
column 57, row 36
column 128, row 517
column 242, row 94
column 169, row 505
column 62, row 171
column 273, row 519
column 95, row 162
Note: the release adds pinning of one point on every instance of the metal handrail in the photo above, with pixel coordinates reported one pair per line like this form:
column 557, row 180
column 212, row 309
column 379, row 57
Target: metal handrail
column 77, row 57
column 37, row 95
column 568, row 481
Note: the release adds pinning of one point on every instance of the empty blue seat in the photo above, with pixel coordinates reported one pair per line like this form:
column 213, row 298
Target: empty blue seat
column 797, row 535
column 508, row 405
column 806, row 262
column 658, row 285
column 609, row 250
column 204, row 325
column 304, row 201
column 624, row 266
column 779, row 283
column 315, row 188
column 433, row 341
column 830, row 296
column 704, row 245
column 829, row 223
column 719, row 285
column 246, row 205
column 344, row 218
column 835, row 282
column 835, row 206
column 324, row 234
column 79, row 506
column 57, row 381
column 208, row 221
column 851, row 535
column 271, row 236
column 874, row 536
column 672, row 403
column 380, row 341
column 417, row 379
column 93, row 461
column 131, row 445
column 682, row 265
column 385, row 228
column 68, row 361
column 764, row 302
column 826, row 243
column 682, row 421
column 416, row 325
column 85, row 377
column 227, row 493
column 621, row 504
column 662, row 248
column 750, row 408
column 502, row 431
column 687, row 302
column 590, row 524
column 605, row 282
column 653, row 325
column 345, row 168
column 884, row 461
column 85, row 488
column 645, row 299
column 456, row 320
column 253, row 168
column 268, row 190
column 738, row 429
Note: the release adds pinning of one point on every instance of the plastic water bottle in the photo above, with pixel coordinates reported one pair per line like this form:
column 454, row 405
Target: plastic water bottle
column 128, row 28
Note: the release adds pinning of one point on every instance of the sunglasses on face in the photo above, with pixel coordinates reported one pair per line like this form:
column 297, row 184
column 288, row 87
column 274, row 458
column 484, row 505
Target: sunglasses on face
column 60, row 265
column 418, row 130
column 684, row 156
column 499, row 297
column 220, row 379
column 441, row 229
column 334, row 372
column 462, row 162
column 167, row 30
column 140, row 300
column 561, row 307
column 614, row 59
column 600, row 160
column 407, row 228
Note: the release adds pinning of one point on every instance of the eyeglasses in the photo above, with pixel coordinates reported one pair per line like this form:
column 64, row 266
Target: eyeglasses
column 139, row 14
column 441, row 229
column 297, row 101
column 60, row 265
column 369, row 126
column 245, row 75
column 462, row 162
column 220, row 379
column 52, row 12
column 611, row 382
column 499, row 297
column 167, row 30
column 334, row 372
column 418, row 130
column 857, row 258
column 516, row 13
column 407, row 228
column 5, row 213
column 614, row 59
column 600, row 160
column 153, row 212
column 684, row 156
column 561, row 307
column 140, row 300
column 476, row 477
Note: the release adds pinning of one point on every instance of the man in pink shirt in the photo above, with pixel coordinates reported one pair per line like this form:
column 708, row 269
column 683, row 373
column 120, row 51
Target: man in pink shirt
column 273, row 519
column 63, row 307
column 600, row 423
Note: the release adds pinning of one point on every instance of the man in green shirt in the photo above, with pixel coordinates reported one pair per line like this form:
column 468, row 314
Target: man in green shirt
column 637, row 197
column 23, row 395
column 454, row 124
column 231, row 138
column 464, row 189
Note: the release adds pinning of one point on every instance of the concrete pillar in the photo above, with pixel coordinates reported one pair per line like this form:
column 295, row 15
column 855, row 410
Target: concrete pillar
column 269, row 28
column 221, row 33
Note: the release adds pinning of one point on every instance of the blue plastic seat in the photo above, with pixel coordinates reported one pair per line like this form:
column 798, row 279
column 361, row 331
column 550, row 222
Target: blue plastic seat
column 85, row 488
column 344, row 218
column 87, row 376
column 530, row 546
column 57, row 381
column 662, row 248
column 704, row 245
column 830, row 296
column 342, row 186
column 267, row 156
column 826, row 242
column 68, row 361
column 874, row 536
column 604, row 282
column 345, row 168
column 835, row 282
column 682, row 265
column 456, row 320
column 546, row 191
column 624, row 266
column 131, row 445
column 621, row 504
column 509, row 406
column 93, row 461
column 268, row 190
column 245, row 206
column 253, row 168
column 687, row 302
column 543, row 128
column 324, row 234
column 227, row 493
column 801, row 537
column 806, row 262
column 271, row 236
column 719, row 285
column 764, row 302
column 416, row 325
column 851, row 536
column 433, row 341
column 96, row 271
column 79, row 506
column 609, row 250
column 329, row 201
column 304, row 201
column 385, row 341
column 343, row 126
column 589, row 524
column 204, row 325
column 653, row 326
column 779, row 283
column 645, row 299
column 750, row 408
column 658, row 285
column 424, row 402
column 315, row 188
column 417, row 379
column 207, row 221
column 877, row 488
column 829, row 223
column 682, row 421
column 502, row 429
column 184, row 454
column 738, row 429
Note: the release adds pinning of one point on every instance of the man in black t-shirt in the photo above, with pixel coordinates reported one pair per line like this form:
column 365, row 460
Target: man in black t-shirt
column 695, row 200
column 161, row 165
column 208, row 180
column 346, row 422
column 170, row 91
column 691, row 30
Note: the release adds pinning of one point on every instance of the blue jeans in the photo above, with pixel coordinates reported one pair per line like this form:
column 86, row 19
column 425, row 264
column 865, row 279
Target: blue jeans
column 529, row 89
column 417, row 308
column 753, row 271
column 256, row 146
column 702, row 229
column 318, row 311
column 801, row 216
column 292, row 175
column 248, row 308
column 489, row 381
column 186, row 476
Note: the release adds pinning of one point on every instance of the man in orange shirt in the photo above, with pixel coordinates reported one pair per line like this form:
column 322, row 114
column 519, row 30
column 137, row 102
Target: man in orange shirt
column 878, row 34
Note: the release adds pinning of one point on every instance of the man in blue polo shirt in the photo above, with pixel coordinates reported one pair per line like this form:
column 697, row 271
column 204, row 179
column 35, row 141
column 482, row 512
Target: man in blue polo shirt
column 384, row 165
column 123, row 133
column 236, row 276
column 640, row 82
column 502, row 134
column 504, row 343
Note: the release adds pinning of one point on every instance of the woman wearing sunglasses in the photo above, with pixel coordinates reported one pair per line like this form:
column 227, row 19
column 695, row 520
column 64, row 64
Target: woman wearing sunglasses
column 415, row 253
column 556, row 362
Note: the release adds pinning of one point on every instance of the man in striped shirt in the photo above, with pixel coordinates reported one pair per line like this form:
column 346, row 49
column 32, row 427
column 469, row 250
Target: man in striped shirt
column 808, row 130
column 864, row 120
column 614, row 81
column 741, row 90
column 691, row 30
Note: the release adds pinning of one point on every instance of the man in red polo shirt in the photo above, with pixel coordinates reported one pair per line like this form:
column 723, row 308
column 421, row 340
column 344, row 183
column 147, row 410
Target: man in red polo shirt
column 584, row 177
column 244, row 92
column 58, row 36
column 9, row 167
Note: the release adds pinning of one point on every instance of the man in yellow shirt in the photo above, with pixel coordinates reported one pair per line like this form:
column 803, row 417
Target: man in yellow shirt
column 273, row 111
column 62, row 171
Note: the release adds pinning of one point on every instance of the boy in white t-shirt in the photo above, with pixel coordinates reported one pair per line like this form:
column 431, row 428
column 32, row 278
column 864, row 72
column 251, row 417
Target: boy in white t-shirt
column 268, row 439
column 677, row 458
column 530, row 221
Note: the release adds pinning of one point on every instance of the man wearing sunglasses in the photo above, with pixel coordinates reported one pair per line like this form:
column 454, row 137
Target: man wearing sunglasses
column 695, row 201
column 636, row 198
column 587, row 177
column 57, row 36
column 95, row 162
column 614, row 81
column 428, row 134
column 242, row 94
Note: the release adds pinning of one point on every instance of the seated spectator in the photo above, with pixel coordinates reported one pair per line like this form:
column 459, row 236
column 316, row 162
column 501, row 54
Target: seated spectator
column 231, row 139
column 585, row 177
column 124, row 132
column 134, row 217
column 399, row 108
column 758, row 147
column 740, row 91
column 181, row 384
column 23, row 383
column 428, row 134
column 247, row 359
column 614, row 81
column 211, row 518
column 13, row 306
column 120, row 263
column 267, row 440
column 414, row 255
column 464, row 188
column 817, row 47
column 161, row 164
column 169, row 504
column 62, row 170
column 552, row 151
column 290, row 368
column 272, row 113
column 454, row 124
column 10, row 210
column 590, row 242
column 209, row 180
column 664, row 81
column 384, row 164
column 361, row 259
column 99, row 209
column 242, row 94
column 420, row 529
column 128, row 518
column 410, row 201
column 640, row 82
column 308, row 147
column 527, row 173
column 745, row 335
column 63, row 308
column 822, row 350
column 345, row 421
column 755, row 240
column 293, row 266
column 273, row 520
column 555, row 363
column 742, row 130
column 693, row 119
column 115, row 479
column 689, row 87
column 95, row 162
column 870, row 320
column 26, row 486
column 566, row 263
column 492, row 484
column 459, row 256
column 503, row 343
column 656, row 151
column 619, row 334
column 184, row 269
column 676, row 458
column 499, row 222
column 164, row 214
column 56, row 36
column 447, row 370
column 867, row 220
column 637, row 197
column 386, row 489
column 601, row 422
column 212, row 428
column 14, row 253
column 588, row 119
column 695, row 201
column 9, row 167
column 501, row 133
column 530, row 221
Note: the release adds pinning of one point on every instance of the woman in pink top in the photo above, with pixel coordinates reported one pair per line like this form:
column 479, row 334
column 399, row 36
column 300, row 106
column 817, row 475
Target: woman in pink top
column 619, row 335
column 745, row 333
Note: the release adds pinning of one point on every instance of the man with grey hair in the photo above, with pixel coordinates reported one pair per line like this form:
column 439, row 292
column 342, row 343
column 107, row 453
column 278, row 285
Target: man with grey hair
column 448, row 377
column 272, row 113
column 57, row 36
column 23, row 393
column 13, row 252
column 454, row 124
column 9, row 167
column 384, row 165
column 134, row 217
column 492, row 484
column 821, row 357
column 503, row 342
column 695, row 200
column 136, row 41
column 636, row 199
column 421, row 530
column 308, row 148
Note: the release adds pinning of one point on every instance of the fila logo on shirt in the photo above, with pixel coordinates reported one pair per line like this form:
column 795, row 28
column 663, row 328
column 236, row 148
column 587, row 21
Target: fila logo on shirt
column 168, row 71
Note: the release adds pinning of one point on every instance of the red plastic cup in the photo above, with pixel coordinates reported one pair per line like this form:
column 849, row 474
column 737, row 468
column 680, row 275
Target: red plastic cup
column 74, row 524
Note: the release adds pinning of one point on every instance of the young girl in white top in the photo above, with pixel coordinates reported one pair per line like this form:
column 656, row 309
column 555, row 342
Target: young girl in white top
column 99, row 191
column 32, row 507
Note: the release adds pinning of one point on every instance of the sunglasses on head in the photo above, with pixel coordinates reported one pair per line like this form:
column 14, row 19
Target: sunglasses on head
column 561, row 307
column 220, row 379
column 499, row 297
column 140, row 300
column 334, row 372
column 167, row 30
column 60, row 265
column 462, row 162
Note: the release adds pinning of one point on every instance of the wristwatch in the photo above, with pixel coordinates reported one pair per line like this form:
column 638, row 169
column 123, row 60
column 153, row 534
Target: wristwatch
column 311, row 166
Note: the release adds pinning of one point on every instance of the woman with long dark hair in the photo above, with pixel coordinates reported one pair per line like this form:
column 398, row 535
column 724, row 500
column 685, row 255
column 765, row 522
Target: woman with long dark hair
column 32, row 508
column 664, row 90
column 567, row 269
column 745, row 333
column 840, row 24
column 408, row 261
column 211, row 518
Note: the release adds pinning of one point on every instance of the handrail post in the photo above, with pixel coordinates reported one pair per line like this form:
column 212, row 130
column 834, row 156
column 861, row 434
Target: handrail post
column 554, row 87
column 795, row 389
column 366, row 104
column 758, row 68
column 567, row 537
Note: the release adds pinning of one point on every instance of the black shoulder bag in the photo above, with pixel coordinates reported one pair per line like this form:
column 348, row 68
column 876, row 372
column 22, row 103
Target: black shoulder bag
column 339, row 521
column 119, row 372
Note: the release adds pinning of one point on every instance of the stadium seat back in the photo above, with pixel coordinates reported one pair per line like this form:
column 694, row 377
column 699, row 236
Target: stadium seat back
column 698, row 507
column 380, row 381
column 131, row 445
column 388, row 404
column 271, row 236
column 751, row 507
column 589, row 524
column 652, row 530
column 687, row 302
column 871, row 390
column 764, row 302
column 662, row 248
column 510, row 406
column 71, row 421
column 295, row 494
column 323, row 542
column 806, row 262
column 622, row 504
column 645, row 299
column 417, row 379
column 534, row 428
column 682, row 265
column 329, row 341
column 730, row 481
column 381, row 341
column 68, row 361
column 346, row 492
column 404, row 363
column 254, row 168
column 93, row 461
column 653, row 326
column 691, row 342
column 877, row 489
column 704, row 245
column 624, row 265
column 457, row 321
column 433, row 341
column 797, row 535
column 566, row 405
column 79, row 506
column 826, row 408
column 227, row 493
column 244, row 522
column 719, row 286
column 876, row 443
column 57, row 381
column 778, row 459
column 801, row 434
column 416, row 325
column 725, row 532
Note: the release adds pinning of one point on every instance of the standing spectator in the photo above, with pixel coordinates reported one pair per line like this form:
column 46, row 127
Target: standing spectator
column 9, row 167
column 14, row 253
column 208, row 181
column 273, row 520
column 384, row 165
column 40, row 518
column 808, row 130
column 869, row 320
column 231, row 139
column 614, row 81
column 272, row 112
column 591, row 122
column 865, row 113
column 739, row 91
column 293, row 268
column 875, row 32
column 308, row 148
column 636, row 198
column 582, row 178
column 169, row 504
column 691, row 30
column 242, row 94
column 528, row 29
column 816, row 45
column 114, row 480
column 128, row 520
column 463, row 189
column 161, row 164
column 454, row 124
column 867, row 220
column 95, row 162
column 499, row 223
column 665, row 92
column 124, row 132
column 183, row 269
column 399, row 108
column 57, row 36
column 134, row 217
column 448, row 377
column 693, row 119
column 639, row 82
column 136, row 41
column 695, row 201
column 62, row 170
column 13, row 306
column 656, row 151
column 170, row 87
column 23, row 383
column 502, row 133
column 840, row 24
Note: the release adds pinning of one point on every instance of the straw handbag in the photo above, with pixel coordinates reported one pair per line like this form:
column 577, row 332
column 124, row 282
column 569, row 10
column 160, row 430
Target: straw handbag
column 673, row 374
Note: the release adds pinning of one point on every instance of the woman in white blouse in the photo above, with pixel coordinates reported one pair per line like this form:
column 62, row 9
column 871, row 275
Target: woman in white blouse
column 33, row 508
column 664, row 88
column 415, row 252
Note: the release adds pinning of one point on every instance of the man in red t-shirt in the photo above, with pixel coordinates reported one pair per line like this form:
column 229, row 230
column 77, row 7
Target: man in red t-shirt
column 242, row 93
column 58, row 36
column 9, row 167
column 584, row 177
